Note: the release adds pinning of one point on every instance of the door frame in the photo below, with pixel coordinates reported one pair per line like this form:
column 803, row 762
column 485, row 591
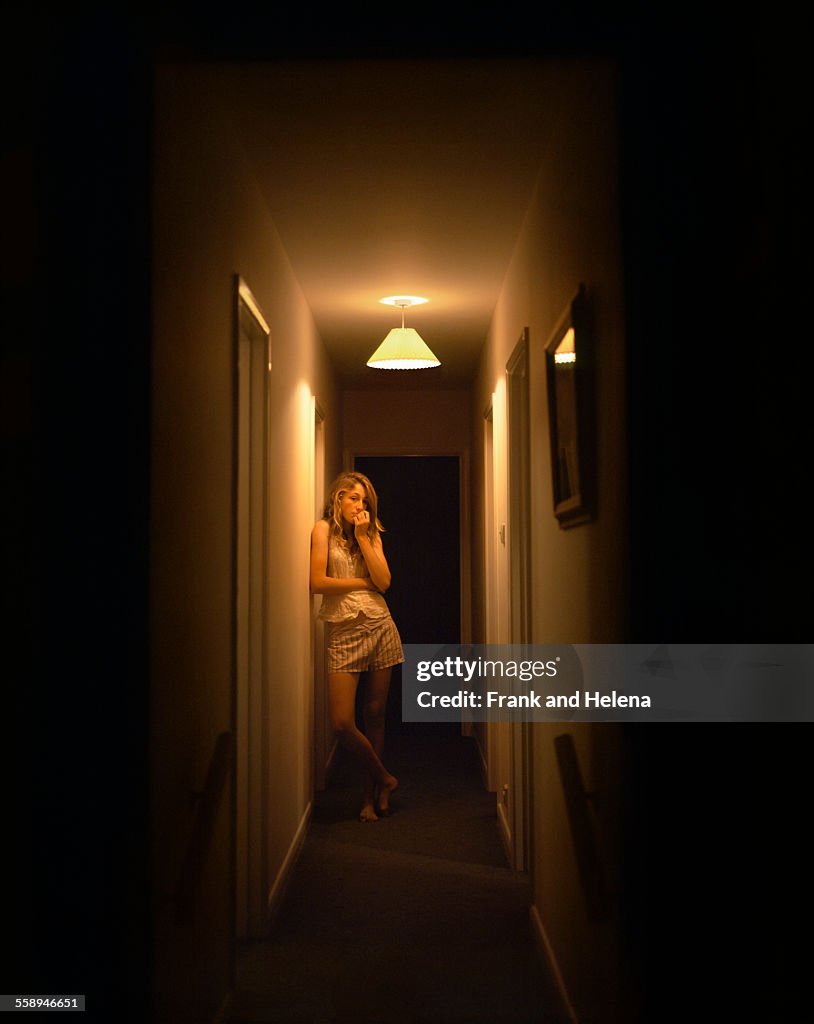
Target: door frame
column 324, row 745
column 251, row 367
column 518, row 463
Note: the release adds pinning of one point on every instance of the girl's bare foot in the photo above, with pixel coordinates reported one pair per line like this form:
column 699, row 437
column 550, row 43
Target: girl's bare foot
column 385, row 791
column 368, row 812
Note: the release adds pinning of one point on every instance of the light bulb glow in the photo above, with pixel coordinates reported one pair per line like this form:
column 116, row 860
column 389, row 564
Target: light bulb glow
column 403, row 300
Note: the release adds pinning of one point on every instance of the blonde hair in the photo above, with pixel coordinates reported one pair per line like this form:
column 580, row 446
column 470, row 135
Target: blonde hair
column 332, row 513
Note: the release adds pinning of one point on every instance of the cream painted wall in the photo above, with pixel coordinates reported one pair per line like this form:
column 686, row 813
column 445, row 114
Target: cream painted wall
column 406, row 422
column 210, row 222
column 579, row 576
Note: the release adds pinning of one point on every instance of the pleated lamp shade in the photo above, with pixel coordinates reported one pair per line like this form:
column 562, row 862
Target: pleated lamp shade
column 403, row 349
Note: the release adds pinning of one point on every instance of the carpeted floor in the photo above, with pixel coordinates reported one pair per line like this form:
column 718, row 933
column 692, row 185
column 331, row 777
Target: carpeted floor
column 414, row 919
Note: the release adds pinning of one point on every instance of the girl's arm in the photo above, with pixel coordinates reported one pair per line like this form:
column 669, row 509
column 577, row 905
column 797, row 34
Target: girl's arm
column 373, row 553
column 321, row 582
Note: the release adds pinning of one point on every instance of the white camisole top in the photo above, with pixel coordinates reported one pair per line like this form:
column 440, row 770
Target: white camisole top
column 341, row 607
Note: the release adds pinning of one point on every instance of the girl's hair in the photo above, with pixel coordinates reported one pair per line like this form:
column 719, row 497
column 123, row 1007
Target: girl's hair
column 336, row 526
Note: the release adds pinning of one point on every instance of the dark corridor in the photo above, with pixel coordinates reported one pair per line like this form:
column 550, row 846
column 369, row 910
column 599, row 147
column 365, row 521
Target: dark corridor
column 416, row 919
column 419, row 505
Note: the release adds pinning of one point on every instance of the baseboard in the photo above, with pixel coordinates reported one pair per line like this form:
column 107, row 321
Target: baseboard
column 484, row 767
column 330, row 763
column 505, row 831
column 277, row 891
column 275, row 898
column 545, row 952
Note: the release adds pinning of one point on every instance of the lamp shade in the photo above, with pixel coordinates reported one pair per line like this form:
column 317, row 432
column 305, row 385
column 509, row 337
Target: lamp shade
column 403, row 349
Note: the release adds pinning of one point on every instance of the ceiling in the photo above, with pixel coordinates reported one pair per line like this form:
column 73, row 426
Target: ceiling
column 393, row 177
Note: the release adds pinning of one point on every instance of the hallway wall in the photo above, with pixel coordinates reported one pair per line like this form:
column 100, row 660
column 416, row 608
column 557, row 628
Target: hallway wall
column 571, row 234
column 210, row 222
column 406, row 422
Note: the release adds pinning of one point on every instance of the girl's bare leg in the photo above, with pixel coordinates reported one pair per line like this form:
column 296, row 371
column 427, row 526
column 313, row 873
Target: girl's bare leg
column 375, row 708
column 342, row 709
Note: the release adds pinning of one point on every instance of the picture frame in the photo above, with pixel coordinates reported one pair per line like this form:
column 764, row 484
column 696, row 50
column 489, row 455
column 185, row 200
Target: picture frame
column 569, row 356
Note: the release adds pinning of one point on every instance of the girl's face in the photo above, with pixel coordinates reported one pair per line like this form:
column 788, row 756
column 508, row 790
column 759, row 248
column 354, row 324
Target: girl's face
column 352, row 501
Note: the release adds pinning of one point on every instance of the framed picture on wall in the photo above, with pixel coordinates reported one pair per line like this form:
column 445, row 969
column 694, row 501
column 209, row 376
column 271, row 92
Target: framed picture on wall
column 570, row 383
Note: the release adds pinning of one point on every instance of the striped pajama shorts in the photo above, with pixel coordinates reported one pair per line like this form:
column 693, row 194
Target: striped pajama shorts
column 362, row 643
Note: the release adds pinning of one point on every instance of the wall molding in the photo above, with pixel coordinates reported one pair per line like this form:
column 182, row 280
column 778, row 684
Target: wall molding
column 504, row 828
column 277, row 891
column 484, row 767
column 545, row 952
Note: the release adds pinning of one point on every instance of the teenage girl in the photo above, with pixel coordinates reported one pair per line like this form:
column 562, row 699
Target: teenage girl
column 349, row 569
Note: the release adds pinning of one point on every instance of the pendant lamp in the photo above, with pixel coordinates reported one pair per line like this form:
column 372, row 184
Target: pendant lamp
column 403, row 348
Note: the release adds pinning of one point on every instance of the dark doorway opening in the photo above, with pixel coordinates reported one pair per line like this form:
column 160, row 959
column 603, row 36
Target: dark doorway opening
column 419, row 505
